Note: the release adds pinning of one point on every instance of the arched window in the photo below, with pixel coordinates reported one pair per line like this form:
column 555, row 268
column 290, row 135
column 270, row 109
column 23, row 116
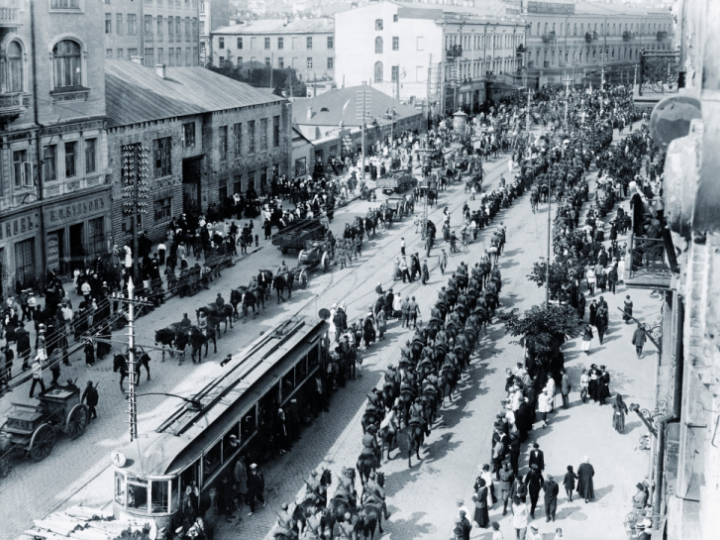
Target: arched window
column 575, row 30
column 378, row 24
column 546, row 27
column 538, row 29
column 14, row 80
column 553, row 27
column 378, row 45
column 378, row 72
column 582, row 28
column 595, row 28
column 567, row 29
column 613, row 29
column 631, row 26
column 67, row 64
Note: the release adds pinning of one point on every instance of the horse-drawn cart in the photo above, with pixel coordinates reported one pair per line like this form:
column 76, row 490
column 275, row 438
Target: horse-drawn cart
column 295, row 235
column 316, row 253
column 397, row 183
column 32, row 429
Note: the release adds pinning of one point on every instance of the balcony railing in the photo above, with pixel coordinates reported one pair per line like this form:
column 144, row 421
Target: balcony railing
column 549, row 38
column 659, row 73
column 646, row 263
column 9, row 15
column 12, row 105
column 453, row 52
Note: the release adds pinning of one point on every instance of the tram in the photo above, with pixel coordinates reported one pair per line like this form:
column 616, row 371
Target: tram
column 233, row 414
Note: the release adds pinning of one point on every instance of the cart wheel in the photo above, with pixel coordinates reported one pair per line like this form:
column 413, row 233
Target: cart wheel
column 303, row 278
column 300, row 256
column 325, row 261
column 77, row 420
column 42, row 442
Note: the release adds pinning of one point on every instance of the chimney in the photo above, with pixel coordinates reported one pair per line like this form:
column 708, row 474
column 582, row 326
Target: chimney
column 287, row 21
column 137, row 59
column 309, row 113
column 161, row 71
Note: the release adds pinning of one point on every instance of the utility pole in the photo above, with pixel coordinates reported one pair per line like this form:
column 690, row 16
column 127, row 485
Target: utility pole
column 131, row 302
column 527, row 118
column 361, row 111
column 566, row 80
column 547, row 268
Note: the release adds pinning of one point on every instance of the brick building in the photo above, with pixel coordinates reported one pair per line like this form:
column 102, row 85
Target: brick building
column 54, row 198
column 193, row 136
column 159, row 31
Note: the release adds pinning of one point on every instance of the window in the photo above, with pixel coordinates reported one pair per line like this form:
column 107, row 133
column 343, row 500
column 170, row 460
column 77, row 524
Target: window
column 195, row 28
column 378, row 24
column 66, row 4
column 132, row 52
column 178, row 33
column 171, row 28
column 378, row 45
column 221, row 43
column 221, row 61
column 395, row 18
column 163, row 211
column 189, row 134
column 187, row 56
column 108, row 23
column 239, row 43
column 70, row 159
column 196, row 58
column 281, row 43
column 420, row 43
column 120, row 53
column 267, row 61
column 330, row 62
column 108, row 53
column 148, row 24
column 96, row 237
column 119, row 24
column 162, row 156
column 267, row 42
column 222, row 142
column 160, row 56
column 574, row 29
column 25, row 260
column 395, row 73
column 171, row 57
column 239, row 61
column 308, row 43
column 263, row 134
column 276, row 131
column 330, row 42
column 396, row 43
column 49, row 165
column 19, row 160
column 251, row 137
column 67, row 70
column 281, row 63
column 90, row 153
column 187, row 29
column 309, row 62
column 14, row 81
column 131, row 24
column 237, row 136
column 378, row 72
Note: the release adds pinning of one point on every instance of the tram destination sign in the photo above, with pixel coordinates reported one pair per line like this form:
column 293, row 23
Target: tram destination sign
column 551, row 8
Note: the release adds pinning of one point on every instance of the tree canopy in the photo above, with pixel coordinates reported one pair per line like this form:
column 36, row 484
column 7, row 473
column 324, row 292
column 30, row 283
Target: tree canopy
column 543, row 329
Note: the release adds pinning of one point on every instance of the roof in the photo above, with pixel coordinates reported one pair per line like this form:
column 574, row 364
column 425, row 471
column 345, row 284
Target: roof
column 135, row 94
column 334, row 106
column 298, row 135
column 278, row 26
column 593, row 8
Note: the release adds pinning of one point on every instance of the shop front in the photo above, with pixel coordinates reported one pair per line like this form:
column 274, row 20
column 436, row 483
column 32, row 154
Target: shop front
column 78, row 231
column 20, row 256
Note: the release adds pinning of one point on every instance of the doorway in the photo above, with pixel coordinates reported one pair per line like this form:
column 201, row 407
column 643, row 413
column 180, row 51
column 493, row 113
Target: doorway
column 191, row 179
column 25, row 262
column 77, row 251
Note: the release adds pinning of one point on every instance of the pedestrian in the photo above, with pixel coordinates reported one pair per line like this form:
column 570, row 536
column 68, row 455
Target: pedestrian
column 497, row 535
column 425, row 272
column 627, row 309
column 462, row 527
column 520, row 518
column 584, row 383
column 4, row 376
column 639, row 339
column 54, row 361
column 486, row 474
column 89, row 350
column 481, row 517
column 591, row 279
column 565, row 388
column 402, row 247
column 619, row 412
column 544, row 406
column 585, row 480
column 551, row 489
column 443, row 260
column 91, row 396
column 641, row 497
column 404, row 271
column 603, row 385
column 240, row 476
column 581, row 306
column 405, row 309
column 256, row 487
column 506, row 479
column 533, row 533
column 37, row 375
column 537, row 457
column 397, row 306
column 518, row 488
column 569, row 482
column 534, row 482
column 414, row 310
column 381, row 323
column 612, row 278
column 601, row 323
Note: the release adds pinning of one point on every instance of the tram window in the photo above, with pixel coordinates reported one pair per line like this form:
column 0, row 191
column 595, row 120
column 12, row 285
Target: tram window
column 212, row 460
column 120, row 488
column 174, row 495
column 190, row 476
column 268, row 406
column 313, row 357
column 301, row 370
column 288, row 384
column 160, row 496
column 137, row 495
column 249, row 426
column 231, row 442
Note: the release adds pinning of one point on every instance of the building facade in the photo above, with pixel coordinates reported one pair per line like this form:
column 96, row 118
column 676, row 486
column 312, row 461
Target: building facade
column 158, row 31
column 192, row 137
column 432, row 53
column 305, row 45
column 213, row 14
column 54, row 194
column 591, row 42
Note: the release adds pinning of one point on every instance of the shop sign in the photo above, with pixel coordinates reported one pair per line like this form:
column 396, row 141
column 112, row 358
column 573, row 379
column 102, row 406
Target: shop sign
column 52, row 249
column 19, row 226
column 550, row 8
column 76, row 209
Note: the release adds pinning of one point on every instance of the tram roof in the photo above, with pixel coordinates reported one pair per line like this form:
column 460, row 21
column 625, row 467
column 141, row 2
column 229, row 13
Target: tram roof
column 189, row 431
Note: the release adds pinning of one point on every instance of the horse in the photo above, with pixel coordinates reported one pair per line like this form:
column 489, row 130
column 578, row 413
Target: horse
column 216, row 316
column 198, row 338
column 120, row 364
column 279, row 284
column 416, row 437
column 388, row 434
column 166, row 338
column 264, row 280
column 246, row 298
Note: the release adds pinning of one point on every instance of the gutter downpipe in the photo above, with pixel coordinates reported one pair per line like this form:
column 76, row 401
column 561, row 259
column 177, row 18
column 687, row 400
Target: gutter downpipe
column 672, row 416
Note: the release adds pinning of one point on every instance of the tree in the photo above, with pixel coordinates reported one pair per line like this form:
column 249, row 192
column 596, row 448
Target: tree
column 255, row 75
column 543, row 330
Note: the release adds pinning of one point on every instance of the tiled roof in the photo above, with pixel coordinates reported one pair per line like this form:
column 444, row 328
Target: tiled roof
column 278, row 26
column 136, row 94
column 334, row 106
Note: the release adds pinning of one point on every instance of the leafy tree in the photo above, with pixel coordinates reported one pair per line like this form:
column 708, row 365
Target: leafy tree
column 256, row 75
column 543, row 330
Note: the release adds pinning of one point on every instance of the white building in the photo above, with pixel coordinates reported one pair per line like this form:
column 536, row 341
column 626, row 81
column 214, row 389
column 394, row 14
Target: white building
column 434, row 52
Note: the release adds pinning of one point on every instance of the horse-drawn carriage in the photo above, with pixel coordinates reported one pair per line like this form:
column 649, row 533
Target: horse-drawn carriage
column 295, row 235
column 397, row 183
column 316, row 253
column 32, row 429
column 399, row 206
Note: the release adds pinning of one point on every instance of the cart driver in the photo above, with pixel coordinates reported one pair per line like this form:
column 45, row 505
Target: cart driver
column 282, row 269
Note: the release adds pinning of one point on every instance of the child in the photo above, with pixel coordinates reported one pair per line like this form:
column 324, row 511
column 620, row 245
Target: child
column 558, row 534
column 569, row 482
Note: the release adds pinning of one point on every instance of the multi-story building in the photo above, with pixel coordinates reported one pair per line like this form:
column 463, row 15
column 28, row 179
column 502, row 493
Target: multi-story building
column 591, row 41
column 193, row 137
column 54, row 195
column 433, row 52
column 306, row 45
column 213, row 14
column 158, row 31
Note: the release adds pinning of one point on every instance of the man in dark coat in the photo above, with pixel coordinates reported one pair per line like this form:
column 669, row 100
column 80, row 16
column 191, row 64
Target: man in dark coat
column 91, row 395
column 585, row 480
column 639, row 338
column 537, row 457
column 551, row 489
column 256, row 487
column 534, row 482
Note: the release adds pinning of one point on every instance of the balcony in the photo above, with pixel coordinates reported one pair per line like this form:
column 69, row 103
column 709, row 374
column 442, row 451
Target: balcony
column 591, row 36
column 662, row 35
column 659, row 76
column 453, row 52
column 9, row 14
column 549, row 38
column 13, row 105
column 627, row 36
column 646, row 264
